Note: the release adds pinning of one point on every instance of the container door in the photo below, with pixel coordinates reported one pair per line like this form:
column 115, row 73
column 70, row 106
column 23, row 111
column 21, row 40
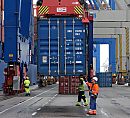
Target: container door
column 48, row 44
column 62, row 47
column 75, row 47
column 54, row 47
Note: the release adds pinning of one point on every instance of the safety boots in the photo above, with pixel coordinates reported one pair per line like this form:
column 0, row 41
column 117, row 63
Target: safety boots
column 92, row 112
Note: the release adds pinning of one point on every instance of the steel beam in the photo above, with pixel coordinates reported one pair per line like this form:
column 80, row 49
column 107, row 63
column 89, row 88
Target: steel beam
column 96, row 4
column 112, row 4
column 90, row 1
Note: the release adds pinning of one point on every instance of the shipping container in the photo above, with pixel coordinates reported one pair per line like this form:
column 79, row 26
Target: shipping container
column 1, row 21
column 68, row 85
column 74, row 83
column 61, row 46
column 105, row 79
column 32, row 73
column 64, row 85
column 26, row 17
column 0, row 50
column 17, row 39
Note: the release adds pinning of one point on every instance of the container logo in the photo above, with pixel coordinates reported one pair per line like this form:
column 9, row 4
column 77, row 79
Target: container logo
column 75, row 3
column 61, row 9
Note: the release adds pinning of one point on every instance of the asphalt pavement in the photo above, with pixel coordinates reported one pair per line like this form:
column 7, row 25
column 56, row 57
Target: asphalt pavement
column 47, row 103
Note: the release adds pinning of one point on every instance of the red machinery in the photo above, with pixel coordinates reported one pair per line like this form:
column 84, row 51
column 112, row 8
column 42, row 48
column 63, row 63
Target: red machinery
column 13, row 70
column 63, row 8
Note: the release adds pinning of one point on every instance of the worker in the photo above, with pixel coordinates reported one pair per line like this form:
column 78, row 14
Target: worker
column 26, row 86
column 81, row 92
column 93, row 93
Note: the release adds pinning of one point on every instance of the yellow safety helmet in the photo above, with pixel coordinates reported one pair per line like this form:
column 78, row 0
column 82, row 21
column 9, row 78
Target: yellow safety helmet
column 82, row 79
column 27, row 77
column 114, row 75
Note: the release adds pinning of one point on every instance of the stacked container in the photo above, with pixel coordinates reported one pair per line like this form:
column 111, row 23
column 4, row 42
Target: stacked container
column 68, row 84
column 64, row 85
column 105, row 79
column 1, row 28
column 74, row 83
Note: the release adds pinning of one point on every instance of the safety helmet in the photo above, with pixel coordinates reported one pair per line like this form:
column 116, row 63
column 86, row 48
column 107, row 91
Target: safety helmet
column 114, row 75
column 27, row 77
column 82, row 79
column 95, row 78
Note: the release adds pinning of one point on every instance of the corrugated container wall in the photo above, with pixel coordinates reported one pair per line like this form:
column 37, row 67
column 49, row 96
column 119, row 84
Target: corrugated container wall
column 68, row 84
column 25, row 18
column 32, row 34
column 1, row 21
column 104, row 79
column 17, row 39
column 11, row 30
column 1, row 28
column 61, row 46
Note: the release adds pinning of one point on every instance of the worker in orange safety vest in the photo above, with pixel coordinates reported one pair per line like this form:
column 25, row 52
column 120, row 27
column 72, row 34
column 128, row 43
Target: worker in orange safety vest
column 93, row 93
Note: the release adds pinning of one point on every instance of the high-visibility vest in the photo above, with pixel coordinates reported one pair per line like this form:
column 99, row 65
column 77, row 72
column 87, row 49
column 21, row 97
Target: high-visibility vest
column 81, row 87
column 93, row 87
column 26, row 83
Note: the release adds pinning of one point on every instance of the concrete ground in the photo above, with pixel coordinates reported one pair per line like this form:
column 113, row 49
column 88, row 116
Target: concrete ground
column 47, row 103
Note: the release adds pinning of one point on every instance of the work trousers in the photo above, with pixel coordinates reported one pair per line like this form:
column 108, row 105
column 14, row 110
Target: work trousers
column 27, row 90
column 81, row 95
column 92, row 103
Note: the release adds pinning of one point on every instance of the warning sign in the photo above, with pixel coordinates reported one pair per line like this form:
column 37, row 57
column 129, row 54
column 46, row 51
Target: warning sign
column 61, row 9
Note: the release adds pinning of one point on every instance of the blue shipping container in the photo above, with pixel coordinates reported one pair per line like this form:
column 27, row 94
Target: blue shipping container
column 16, row 45
column 0, row 50
column 105, row 79
column 61, row 46
column 11, row 13
column 26, row 13
column 32, row 73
